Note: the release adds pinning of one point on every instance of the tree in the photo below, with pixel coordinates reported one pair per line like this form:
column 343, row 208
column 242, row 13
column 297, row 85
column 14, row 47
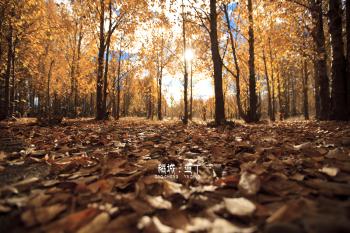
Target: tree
column 338, row 71
column 217, row 65
column 322, row 81
column 253, row 100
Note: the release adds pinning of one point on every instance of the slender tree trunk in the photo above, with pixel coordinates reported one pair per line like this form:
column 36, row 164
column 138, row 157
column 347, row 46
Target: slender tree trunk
column 13, row 80
column 100, row 114
column 72, row 74
column 272, row 83
column 237, row 75
column 48, row 104
column 321, row 59
column 317, row 90
column 160, row 117
column 8, row 74
column 305, row 76
column 253, row 100
column 185, row 117
column 280, row 100
column 286, row 92
column 160, row 77
column 105, row 74
column 269, row 102
column 348, row 54
column 217, row 62
column 118, row 81
column 191, row 94
column 339, row 98
column 77, row 71
column 294, row 96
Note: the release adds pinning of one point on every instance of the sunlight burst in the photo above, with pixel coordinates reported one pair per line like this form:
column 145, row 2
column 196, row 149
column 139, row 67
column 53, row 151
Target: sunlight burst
column 189, row 55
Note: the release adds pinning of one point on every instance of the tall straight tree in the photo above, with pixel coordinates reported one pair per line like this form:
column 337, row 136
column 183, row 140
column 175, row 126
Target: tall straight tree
column 339, row 101
column 217, row 62
column 235, row 60
column 348, row 54
column 305, row 76
column 100, row 114
column 253, row 99
column 185, row 117
column 321, row 60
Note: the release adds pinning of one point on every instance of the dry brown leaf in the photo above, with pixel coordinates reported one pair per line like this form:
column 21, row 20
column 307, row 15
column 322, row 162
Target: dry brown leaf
column 249, row 183
column 239, row 206
column 41, row 215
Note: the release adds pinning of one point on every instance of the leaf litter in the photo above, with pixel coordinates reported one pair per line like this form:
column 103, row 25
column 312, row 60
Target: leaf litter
column 136, row 175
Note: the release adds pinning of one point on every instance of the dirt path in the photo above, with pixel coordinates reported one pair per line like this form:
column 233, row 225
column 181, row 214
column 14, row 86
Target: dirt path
column 136, row 175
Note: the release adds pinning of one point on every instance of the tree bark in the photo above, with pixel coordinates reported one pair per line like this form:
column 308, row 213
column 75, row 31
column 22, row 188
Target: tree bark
column 160, row 79
column 48, row 104
column 305, row 76
column 272, row 83
column 348, row 54
column 191, row 89
column 118, row 82
column 237, row 75
column 8, row 74
column 13, row 80
column 185, row 117
column 338, row 69
column 100, row 114
column 217, row 62
column 321, row 59
column 269, row 102
column 253, row 100
column 105, row 74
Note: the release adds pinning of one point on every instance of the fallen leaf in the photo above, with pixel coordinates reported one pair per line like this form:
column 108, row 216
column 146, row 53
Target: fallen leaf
column 330, row 171
column 158, row 202
column 221, row 225
column 4, row 209
column 96, row 225
column 249, row 183
column 239, row 206
column 41, row 215
column 198, row 224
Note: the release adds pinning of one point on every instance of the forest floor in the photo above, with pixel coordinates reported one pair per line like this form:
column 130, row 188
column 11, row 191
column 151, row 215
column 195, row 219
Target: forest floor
column 135, row 175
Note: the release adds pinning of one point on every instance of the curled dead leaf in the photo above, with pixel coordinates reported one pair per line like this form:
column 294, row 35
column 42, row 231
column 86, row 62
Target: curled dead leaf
column 239, row 206
column 249, row 183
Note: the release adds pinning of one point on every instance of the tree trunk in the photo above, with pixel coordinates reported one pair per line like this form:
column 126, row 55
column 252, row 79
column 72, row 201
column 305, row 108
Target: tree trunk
column 321, row 59
column 269, row 102
column 348, row 54
column 339, row 98
column 317, row 90
column 100, row 114
column 160, row 77
column 237, row 75
column 185, row 117
column 13, row 81
column 191, row 89
column 118, row 82
column 253, row 100
column 272, row 83
column 160, row 117
column 8, row 75
column 105, row 74
column 217, row 62
column 48, row 104
column 305, row 76
column 280, row 100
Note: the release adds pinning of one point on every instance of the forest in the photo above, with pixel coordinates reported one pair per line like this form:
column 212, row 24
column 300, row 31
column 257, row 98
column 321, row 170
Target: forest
column 175, row 116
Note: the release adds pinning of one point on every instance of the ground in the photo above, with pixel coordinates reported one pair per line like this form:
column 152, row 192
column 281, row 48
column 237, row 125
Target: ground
column 135, row 175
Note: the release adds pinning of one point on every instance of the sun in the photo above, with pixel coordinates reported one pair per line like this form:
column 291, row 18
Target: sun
column 189, row 54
